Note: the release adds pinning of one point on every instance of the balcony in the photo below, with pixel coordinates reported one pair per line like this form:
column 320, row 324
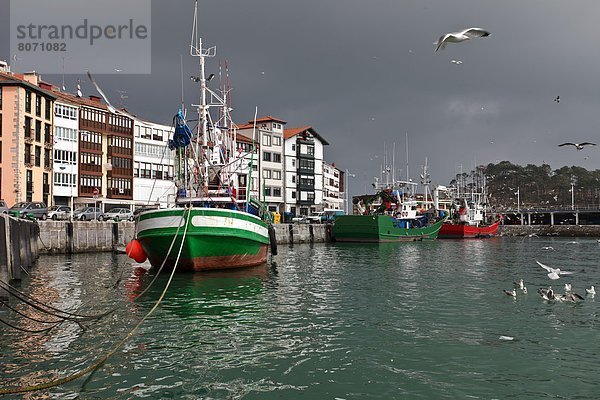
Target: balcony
column 305, row 171
column 120, row 193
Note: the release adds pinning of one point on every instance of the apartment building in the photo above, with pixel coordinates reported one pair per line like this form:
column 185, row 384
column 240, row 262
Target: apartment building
column 66, row 146
column 332, row 197
column 303, row 170
column 153, row 165
column 269, row 133
column 26, row 144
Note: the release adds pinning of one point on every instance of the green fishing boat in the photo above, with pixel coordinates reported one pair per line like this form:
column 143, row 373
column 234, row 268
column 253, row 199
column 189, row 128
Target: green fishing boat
column 216, row 221
column 391, row 215
column 381, row 228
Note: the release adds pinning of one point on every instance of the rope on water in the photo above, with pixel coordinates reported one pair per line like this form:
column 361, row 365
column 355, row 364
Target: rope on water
column 58, row 382
column 38, row 305
column 27, row 316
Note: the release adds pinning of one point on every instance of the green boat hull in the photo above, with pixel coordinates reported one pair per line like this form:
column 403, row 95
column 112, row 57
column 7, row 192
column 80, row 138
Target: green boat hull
column 215, row 238
column 380, row 228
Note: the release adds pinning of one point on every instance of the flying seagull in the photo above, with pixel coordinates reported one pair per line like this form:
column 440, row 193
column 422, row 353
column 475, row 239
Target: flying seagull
column 457, row 37
column 557, row 99
column 457, row 62
column 553, row 273
column 578, row 146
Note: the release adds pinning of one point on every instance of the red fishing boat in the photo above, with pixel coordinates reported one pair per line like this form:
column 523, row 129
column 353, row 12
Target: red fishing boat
column 467, row 221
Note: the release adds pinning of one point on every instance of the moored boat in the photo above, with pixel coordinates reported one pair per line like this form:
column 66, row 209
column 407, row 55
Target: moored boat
column 467, row 220
column 216, row 223
column 389, row 216
column 215, row 238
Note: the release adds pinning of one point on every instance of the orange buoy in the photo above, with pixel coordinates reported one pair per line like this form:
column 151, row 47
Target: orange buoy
column 135, row 251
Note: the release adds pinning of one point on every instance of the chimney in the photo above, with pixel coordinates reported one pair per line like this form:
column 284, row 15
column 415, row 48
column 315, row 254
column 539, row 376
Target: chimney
column 32, row 77
column 95, row 99
column 45, row 85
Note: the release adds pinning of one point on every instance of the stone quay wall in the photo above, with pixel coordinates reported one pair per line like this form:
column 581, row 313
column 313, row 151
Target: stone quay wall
column 61, row 237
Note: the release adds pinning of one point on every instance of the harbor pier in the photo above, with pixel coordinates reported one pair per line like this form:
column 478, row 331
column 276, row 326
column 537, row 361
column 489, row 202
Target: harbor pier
column 19, row 248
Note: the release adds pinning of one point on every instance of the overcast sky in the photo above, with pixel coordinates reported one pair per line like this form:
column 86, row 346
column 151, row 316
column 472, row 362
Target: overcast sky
column 364, row 74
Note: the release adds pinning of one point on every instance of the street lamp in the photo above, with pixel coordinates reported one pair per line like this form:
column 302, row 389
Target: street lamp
column 572, row 192
column 348, row 174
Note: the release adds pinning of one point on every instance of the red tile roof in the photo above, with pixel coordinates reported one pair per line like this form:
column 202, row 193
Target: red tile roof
column 289, row 133
column 268, row 118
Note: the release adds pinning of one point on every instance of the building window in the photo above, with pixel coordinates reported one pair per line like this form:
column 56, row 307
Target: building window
column 293, row 197
column 293, row 178
column 293, row 147
column 310, row 196
column 38, row 105
column 38, row 130
column 267, row 174
column 266, row 156
column 27, row 127
column 27, row 153
column 276, row 157
column 267, row 191
column 66, row 134
column 293, row 162
column 277, row 192
column 47, row 135
column 0, row 98
column 38, row 156
column 266, row 140
column 276, row 141
column 27, row 101
column 310, row 150
column 47, row 158
column 48, row 107
column 276, row 175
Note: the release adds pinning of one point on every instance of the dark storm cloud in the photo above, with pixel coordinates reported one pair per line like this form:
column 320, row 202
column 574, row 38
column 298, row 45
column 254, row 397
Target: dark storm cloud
column 364, row 74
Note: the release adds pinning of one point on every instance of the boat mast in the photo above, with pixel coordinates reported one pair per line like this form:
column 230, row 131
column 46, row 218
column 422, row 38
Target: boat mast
column 196, row 50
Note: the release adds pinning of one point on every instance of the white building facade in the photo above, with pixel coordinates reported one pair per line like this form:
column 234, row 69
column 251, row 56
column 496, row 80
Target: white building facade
column 269, row 131
column 65, row 157
column 332, row 197
column 153, row 165
column 303, row 170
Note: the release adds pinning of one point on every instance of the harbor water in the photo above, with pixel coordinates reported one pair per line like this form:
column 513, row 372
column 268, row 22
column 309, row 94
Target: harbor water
column 423, row 320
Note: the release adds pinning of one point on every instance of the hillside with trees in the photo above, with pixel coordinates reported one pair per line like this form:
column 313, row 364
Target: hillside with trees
column 538, row 186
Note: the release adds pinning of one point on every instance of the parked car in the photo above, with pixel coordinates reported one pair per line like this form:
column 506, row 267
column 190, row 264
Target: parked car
column 3, row 207
column 88, row 213
column 315, row 218
column 59, row 212
column 118, row 214
column 37, row 208
column 300, row 219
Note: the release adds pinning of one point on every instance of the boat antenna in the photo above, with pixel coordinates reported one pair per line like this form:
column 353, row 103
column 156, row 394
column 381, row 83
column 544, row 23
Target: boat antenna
column 251, row 167
column 407, row 176
column 394, row 164
column 182, row 101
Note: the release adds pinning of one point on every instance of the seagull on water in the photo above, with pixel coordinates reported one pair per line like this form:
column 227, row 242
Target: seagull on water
column 553, row 273
column 512, row 293
column 457, row 37
column 548, row 248
column 520, row 284
column 546, row 294
column 568, row 287
column 457, row 62
column 578, row 146
column 590, row 291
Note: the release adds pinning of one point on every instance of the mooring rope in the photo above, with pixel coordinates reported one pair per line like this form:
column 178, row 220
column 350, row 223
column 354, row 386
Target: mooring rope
column 28, row 330
column 68, row 315
column 85, row 371
column 27, row 316
column 164, row 261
